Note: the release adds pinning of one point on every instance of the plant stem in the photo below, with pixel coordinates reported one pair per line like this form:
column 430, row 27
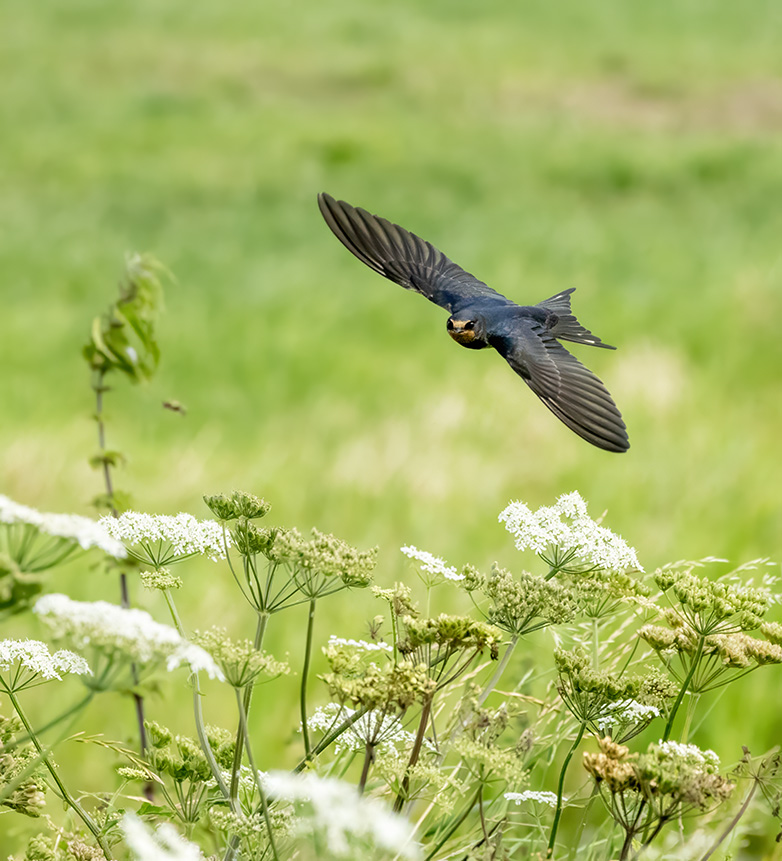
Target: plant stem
column 693, row 667
column 627, row 845
column 414, row 754
column 256, row 774
column 332, row 737
column 494, row 681
column 454, row 825
column 733, row 822
column 67, row 797
column 260, row 631
column 561, row 788
column 99, row 385
column 369, row 758
column 198, row 714
column 304, row 671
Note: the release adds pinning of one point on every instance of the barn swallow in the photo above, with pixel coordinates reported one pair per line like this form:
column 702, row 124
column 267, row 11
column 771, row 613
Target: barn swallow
column 527, row 336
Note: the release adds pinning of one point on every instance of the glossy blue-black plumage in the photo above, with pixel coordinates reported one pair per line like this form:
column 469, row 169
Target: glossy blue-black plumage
column 527, row 336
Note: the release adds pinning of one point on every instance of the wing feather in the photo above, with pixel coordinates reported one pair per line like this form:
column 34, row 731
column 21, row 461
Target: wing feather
column 401, row 256
column 570, row 390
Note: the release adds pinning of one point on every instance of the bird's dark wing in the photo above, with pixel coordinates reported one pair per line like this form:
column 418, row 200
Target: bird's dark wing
column 571, row 391
column 567, row 328
column 402, row 256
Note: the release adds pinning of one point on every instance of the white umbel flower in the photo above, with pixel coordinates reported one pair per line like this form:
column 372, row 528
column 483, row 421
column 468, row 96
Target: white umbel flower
column 567, row 527
column 339, row 815
column 690, row 753
column 431, row 564
column 361, row 645
column 162, row 844
column 549, row 798
column 627, row 712
column 83, row 531
column 130, row 632
column 35, row 657
column 165, row 537
column 385, row 730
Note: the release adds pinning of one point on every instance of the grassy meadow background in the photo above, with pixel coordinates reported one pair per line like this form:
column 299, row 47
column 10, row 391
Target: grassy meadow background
column 629, row 150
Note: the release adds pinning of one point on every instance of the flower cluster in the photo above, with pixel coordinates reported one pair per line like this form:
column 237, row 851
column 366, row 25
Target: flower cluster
column 161, row 844
column 524, row 603
column 549, row 798
column 160, row 539
column 240, row 662
column 324, row 556
column 116, row 632
column 17, row 769
column 387, row 686
column 644, row 791
column 712, row 606
column 430, row 564
column 378, row 728
column 32, row 660
column 623, row 706
column 567, row 538
column 72, row 527
column 238, row 504
column 332, row 811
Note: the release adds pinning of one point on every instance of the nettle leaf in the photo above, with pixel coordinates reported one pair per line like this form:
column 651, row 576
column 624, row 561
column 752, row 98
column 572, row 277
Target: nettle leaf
column 123, row 338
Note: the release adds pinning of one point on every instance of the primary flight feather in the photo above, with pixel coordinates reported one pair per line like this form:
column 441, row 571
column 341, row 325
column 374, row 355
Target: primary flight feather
column 527, row 336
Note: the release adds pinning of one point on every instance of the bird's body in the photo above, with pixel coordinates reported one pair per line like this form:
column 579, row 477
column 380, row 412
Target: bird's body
column 526, row 336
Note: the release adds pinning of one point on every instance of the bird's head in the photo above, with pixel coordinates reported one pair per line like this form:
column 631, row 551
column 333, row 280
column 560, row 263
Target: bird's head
column 469, row 332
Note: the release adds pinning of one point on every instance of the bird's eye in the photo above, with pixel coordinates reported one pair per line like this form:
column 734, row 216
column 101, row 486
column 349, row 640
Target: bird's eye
column 449, row 324
column 469, row 325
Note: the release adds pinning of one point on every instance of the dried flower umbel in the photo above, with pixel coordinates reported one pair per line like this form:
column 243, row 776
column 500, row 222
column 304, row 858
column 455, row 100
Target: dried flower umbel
column 643, row 792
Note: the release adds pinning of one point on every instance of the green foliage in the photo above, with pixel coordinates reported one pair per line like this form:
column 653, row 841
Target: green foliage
column 123, row 338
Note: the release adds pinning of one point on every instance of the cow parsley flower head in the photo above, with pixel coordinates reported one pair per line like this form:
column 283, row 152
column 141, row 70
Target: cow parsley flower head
column 35, row 662
column 564, row 533
column 431, row 564
column 689, row 753
column 162, row 844
column 161, row 539
column 549, row 798
column 627, row 711
column 360, row 645
column 73, row 528
column 376, row 727
column 343, row 819
column 116, row 631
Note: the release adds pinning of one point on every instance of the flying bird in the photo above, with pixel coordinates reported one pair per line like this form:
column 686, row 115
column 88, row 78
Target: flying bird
column 528, row 337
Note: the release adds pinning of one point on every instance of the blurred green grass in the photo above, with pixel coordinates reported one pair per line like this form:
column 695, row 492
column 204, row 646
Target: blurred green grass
column 628, row 150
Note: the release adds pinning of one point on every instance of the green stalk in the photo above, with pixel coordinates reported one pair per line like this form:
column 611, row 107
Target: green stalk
column 260, row 631
column 198, row 714
column 494, row 681
column 561, row 788
column 332, row 737
column 66, row 796
column 694, row 666
column 454, row 825
column 305, row 670
column 99, row 387
column 733, row 822
column 414, row 754
column 256, row 775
